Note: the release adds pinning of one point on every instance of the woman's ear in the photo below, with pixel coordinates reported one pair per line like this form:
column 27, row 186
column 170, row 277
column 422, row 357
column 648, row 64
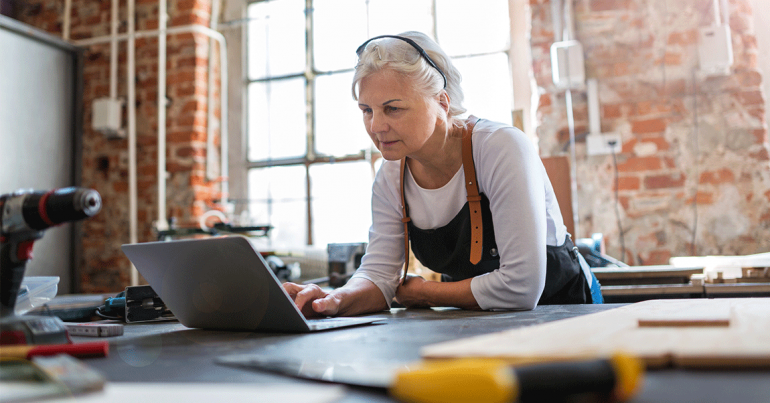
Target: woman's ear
column 444, row 101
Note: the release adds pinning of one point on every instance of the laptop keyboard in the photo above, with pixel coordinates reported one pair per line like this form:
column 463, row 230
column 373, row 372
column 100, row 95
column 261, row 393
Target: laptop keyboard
column 330, row 323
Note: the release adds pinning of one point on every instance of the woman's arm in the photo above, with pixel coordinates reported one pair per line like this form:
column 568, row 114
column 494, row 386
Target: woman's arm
column 420, row 293
column 510, row 173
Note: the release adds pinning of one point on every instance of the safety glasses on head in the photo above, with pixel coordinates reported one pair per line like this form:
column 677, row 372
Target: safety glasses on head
column 414, row 44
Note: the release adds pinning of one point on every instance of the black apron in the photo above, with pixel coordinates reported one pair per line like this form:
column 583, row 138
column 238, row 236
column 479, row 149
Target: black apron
column 447, row 250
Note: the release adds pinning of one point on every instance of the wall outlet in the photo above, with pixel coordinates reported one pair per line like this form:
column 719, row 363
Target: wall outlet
column 567, row 64
column 605, row 143
column 715, row 50
column 106, row 117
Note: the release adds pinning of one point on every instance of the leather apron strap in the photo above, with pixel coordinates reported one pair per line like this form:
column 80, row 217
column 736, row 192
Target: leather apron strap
column 472, row 191
column 405, row 219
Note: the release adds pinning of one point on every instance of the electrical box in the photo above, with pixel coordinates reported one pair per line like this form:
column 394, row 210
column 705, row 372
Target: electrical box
column 605, row 143
column 106, row 117
column 567, row 64
column 715, row 50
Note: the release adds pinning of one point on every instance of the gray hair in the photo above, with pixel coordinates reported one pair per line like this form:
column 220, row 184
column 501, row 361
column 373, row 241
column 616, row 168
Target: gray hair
column 403, row 58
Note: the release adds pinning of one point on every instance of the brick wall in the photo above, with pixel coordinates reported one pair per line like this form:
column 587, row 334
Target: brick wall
column 694, row 157
column 686, row 138
column 104, row 268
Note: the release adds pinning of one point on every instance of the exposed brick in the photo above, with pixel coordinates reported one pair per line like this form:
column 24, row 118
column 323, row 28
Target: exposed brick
column 761, row 155
column 628, row 146
column 120, row 187
column 723, row 175
column 750, row 78
column 702, row 198
column 753, row 97
column 639, row 164
column 664, row 181
column 628, row 183
column 669, row 162
column 545, row 100
column 683, row 38
column 649, row 126
column 657, row 257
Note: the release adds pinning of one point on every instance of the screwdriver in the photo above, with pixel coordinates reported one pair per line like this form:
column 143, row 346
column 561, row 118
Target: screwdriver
column 480, row 380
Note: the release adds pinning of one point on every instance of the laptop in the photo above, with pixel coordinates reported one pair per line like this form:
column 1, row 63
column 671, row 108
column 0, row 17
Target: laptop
column 223, row 283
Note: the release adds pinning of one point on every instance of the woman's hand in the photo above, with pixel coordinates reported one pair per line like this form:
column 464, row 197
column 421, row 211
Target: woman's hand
column 312, row 301
column 411, row 293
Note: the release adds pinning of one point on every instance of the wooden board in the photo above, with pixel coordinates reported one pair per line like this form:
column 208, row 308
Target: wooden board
column 745, row 343
column 644, row 272
column 557, row 168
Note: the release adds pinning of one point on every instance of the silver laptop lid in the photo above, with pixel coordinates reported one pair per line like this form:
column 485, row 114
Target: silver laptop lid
column 217, row 283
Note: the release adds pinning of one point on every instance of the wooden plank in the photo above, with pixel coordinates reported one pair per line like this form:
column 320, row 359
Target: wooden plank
column 664, row 289
column 683, row 322
column 742, row 344
column 557, row 168
column 734, row 288
column 637, row 272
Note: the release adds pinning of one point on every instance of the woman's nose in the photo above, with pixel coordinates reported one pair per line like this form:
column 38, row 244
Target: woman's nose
column 377, row 123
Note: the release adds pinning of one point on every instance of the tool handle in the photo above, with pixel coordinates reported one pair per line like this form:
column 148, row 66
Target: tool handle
column 550, row 382
column 11, row 276
column 491, row 380
column 80, row 350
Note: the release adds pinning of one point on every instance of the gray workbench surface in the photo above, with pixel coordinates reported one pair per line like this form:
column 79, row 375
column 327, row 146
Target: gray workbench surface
column 170, row 352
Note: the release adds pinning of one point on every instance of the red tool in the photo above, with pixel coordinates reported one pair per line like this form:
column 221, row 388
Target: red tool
column 79, row 350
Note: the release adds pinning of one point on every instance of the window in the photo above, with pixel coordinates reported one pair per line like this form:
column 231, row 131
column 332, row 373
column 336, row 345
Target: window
column 311, row 164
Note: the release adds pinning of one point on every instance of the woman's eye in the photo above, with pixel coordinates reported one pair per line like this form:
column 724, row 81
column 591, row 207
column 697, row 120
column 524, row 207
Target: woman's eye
column 391, row 108
column 366, row 111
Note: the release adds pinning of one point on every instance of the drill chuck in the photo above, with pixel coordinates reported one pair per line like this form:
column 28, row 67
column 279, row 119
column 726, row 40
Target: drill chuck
column 40, row 210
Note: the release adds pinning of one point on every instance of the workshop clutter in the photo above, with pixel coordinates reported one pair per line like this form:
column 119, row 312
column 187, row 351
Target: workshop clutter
column 727, row 269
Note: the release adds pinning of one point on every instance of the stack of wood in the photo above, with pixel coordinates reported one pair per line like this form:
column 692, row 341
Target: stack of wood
column 727, row 269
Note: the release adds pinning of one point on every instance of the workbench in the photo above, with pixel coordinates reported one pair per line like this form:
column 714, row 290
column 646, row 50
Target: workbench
column 639, row 283
column 163, row 352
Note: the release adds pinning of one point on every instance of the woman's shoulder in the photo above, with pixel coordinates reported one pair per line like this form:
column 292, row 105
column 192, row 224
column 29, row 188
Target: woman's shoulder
column 388, row 176
column 494, row 137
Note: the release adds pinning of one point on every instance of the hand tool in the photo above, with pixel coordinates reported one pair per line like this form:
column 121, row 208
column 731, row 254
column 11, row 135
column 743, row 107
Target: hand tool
column 477, row 380
column 24, row 216
column 81, row 350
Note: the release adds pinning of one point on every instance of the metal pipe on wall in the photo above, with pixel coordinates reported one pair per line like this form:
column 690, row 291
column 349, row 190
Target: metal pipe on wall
column 132, row 85
column 132, row 186
column 162, row 222
column 210, row 174
column 66, row 23
column 114, row 51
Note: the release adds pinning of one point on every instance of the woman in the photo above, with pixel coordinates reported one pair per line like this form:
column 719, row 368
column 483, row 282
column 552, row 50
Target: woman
column 471, row 196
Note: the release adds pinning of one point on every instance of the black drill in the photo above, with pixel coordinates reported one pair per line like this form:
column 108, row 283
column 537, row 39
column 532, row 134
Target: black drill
column 24, row 216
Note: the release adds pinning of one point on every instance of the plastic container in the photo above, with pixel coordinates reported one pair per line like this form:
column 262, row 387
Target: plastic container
column 34, row 292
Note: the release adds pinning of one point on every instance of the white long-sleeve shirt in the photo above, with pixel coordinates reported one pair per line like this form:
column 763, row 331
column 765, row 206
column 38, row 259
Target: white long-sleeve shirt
column 524, row 209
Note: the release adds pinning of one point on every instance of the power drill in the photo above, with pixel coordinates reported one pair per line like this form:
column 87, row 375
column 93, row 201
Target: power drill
column 24, row 217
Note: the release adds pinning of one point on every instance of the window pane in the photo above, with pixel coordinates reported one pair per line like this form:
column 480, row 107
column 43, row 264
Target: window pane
column 278, row 197
column 339, row 28
column 277, row 119
column 487, row 86
column 341, row 202
column 339, row 123
column 276, row 38
column 391, row 17
column 481, row 28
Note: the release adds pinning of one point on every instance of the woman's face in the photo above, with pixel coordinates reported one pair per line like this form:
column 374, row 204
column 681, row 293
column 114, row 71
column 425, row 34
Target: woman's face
column 399, row 120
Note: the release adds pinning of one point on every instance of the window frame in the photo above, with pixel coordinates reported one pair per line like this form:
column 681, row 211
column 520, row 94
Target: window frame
column 311, row 157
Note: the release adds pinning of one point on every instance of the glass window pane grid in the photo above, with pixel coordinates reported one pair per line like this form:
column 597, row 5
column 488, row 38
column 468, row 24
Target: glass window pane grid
column 330, row 67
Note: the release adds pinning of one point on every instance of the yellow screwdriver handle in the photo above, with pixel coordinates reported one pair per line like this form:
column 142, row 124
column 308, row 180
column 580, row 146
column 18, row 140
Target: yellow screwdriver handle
column 482, row 380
